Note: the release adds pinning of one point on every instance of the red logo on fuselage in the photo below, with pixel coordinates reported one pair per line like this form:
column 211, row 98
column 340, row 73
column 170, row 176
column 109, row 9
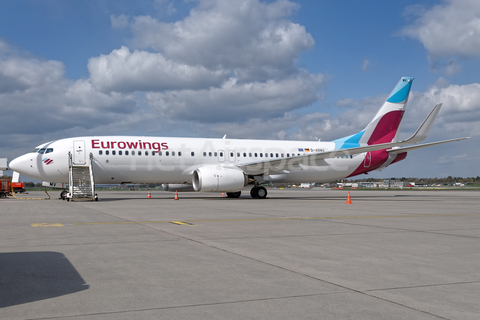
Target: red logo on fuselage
column 47, row 161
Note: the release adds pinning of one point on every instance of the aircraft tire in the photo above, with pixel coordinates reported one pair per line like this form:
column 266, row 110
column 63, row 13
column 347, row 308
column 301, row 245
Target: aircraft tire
column 63, row 195
column 261, row 193
column 234, row 194
column 254, row 192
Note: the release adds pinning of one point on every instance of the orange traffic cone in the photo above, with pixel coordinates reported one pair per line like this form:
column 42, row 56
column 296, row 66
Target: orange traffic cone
column 349, row 200
column 223, row 194
column 149, row 195
column 176, row 195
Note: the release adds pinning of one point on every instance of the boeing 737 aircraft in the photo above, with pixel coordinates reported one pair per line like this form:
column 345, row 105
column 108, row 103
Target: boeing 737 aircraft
column 228, row 165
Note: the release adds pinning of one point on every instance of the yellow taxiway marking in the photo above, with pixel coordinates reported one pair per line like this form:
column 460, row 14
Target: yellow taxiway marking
column 47, row 225
column 181, row 223
column 190, row 222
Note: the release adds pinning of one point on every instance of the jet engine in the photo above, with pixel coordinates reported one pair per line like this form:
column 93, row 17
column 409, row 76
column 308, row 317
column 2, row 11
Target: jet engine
column 218, row 179
column 180, row 187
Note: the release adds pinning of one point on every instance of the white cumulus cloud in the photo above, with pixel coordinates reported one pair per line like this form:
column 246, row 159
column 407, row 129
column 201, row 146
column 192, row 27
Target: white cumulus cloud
column 123, row 70
column 451, row 28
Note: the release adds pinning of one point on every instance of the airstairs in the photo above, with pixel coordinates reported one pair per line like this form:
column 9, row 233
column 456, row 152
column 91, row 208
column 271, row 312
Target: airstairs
column 80, row 180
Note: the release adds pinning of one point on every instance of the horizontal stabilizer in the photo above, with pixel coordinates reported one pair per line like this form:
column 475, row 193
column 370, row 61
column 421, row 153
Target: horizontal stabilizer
column 421, row 146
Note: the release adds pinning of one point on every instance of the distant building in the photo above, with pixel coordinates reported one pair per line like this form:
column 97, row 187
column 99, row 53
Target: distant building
column 394, row 184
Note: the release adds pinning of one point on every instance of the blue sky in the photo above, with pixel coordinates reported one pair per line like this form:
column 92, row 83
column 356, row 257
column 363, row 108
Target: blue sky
column 247, row 68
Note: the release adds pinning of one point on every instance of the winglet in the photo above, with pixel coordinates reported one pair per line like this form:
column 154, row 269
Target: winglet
column 422, row 131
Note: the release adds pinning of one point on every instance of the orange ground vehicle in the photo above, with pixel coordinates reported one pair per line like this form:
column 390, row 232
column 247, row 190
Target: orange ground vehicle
column 18, row 187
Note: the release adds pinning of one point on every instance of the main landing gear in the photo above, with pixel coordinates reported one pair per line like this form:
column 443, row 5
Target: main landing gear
column 258, row 192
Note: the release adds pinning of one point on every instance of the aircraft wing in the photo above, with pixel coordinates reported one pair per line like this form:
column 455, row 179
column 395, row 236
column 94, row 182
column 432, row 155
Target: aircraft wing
column 286, row 165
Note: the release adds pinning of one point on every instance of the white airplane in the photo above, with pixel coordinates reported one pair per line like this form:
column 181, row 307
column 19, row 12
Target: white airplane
column 228, row 165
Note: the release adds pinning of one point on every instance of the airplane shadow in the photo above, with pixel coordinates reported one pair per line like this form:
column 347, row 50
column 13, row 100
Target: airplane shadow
column 32, row 276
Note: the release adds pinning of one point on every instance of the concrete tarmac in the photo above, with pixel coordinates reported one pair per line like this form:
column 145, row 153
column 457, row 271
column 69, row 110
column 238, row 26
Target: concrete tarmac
column 300, row 254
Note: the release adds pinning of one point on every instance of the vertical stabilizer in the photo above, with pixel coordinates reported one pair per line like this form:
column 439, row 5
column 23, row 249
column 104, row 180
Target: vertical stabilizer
column 385, row 126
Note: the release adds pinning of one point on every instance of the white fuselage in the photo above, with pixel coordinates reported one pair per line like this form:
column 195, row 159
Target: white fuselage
column 127, row 159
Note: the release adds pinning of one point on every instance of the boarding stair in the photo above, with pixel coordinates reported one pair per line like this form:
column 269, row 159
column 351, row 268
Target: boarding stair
column 80, row 179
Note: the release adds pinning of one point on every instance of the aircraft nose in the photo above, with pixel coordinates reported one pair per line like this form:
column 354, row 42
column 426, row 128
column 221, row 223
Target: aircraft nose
column 15, row 164
column 24, row 165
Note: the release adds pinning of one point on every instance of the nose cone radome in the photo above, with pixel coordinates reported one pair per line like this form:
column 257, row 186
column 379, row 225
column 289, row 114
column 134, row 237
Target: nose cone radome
column 16, row 164
column 25, row 165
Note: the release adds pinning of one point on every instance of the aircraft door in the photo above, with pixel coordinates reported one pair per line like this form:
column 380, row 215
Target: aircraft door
column 79, row 157
column 221, row 156
column 368, row 160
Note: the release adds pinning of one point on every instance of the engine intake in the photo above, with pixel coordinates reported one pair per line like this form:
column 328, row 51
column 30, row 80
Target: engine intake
column 218, row 179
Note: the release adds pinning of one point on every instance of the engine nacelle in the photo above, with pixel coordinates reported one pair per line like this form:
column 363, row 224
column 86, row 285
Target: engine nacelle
column 180, row 187
column 218, row 179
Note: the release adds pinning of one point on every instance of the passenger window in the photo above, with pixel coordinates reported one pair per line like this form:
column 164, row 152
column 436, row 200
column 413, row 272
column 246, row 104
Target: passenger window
column 100, row 152
column 231, row 154
column 256, row 155
column 146, row 153
column 261, row 154
column 167, row 153
column 107, row 152
column 215, row 154
column 288, row 155
column 179, row 153
column 126, row 152
column 271, row 155
column 113, row 152
column 173, row 153
column 209, row 154
column 244, row 154
column 139, row 153
column 133, row 153
column 192, row 153
column 282, row 155
column 221, row 154
column 276, row 155
column 238, row 154
column 159, row 153
column 204, row 154
column 120, row 152
column 250, row 154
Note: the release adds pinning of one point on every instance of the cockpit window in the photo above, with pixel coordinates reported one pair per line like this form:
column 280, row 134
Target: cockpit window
column 35, row 150
column 49, row 150
column 41, row 151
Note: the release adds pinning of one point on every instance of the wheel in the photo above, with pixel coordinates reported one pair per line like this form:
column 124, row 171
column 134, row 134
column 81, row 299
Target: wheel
column 234, row 194
column 261, row 193
column 3, row 195
column 63, row 195
column 254, row 192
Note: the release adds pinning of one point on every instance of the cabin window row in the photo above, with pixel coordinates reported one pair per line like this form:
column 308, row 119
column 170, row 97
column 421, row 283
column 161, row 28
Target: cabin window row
column 139, row 153
column 205, row 154
column 250, row 154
